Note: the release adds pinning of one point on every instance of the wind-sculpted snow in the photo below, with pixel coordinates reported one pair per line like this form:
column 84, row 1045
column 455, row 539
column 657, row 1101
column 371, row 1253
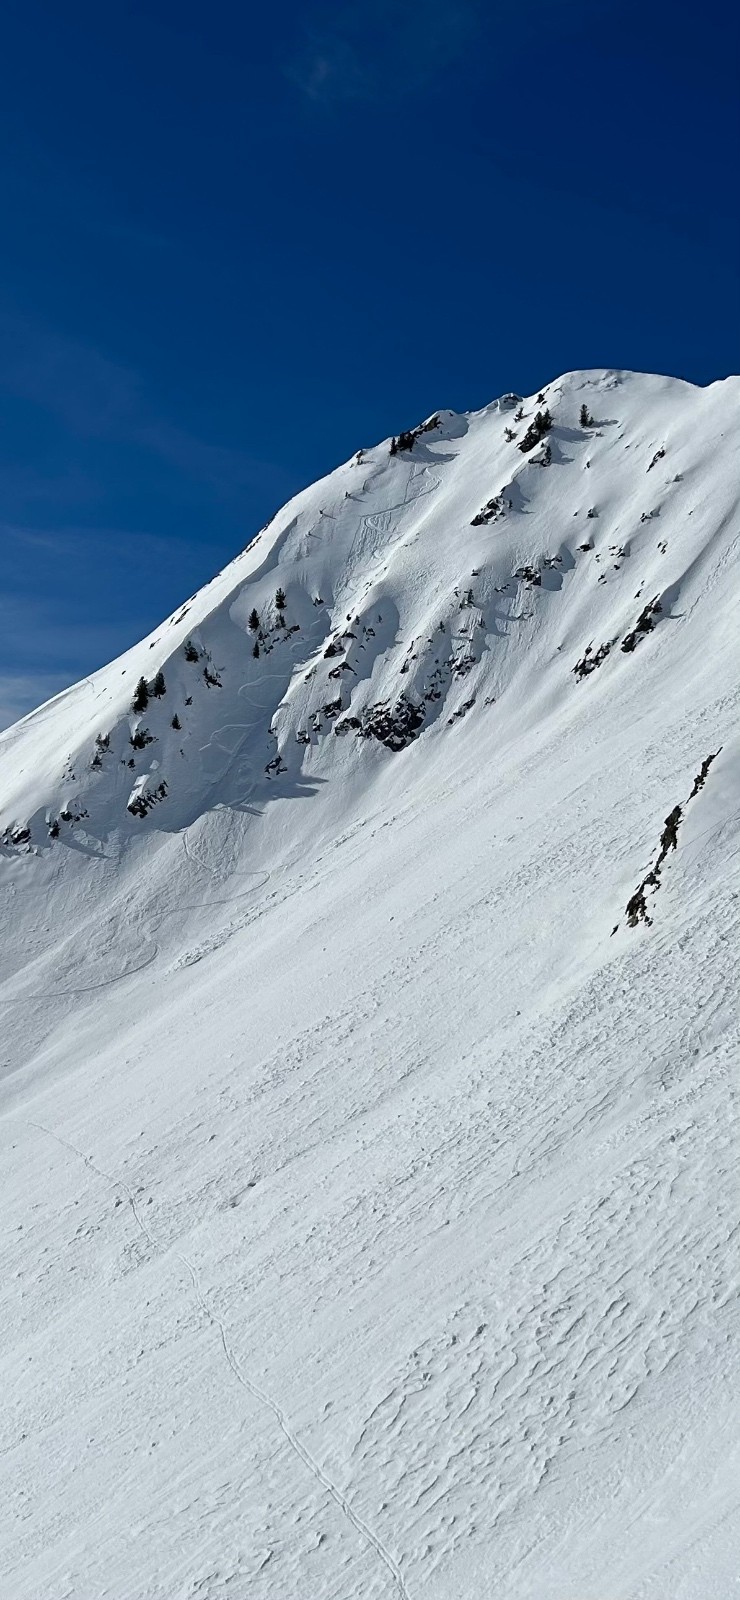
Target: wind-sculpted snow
column 369, row 1158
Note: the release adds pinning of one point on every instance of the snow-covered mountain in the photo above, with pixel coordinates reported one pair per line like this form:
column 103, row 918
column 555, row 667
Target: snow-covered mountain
column 369, row 1039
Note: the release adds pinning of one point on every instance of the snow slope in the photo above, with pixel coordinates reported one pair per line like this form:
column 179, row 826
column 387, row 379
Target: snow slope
column 370, row 1197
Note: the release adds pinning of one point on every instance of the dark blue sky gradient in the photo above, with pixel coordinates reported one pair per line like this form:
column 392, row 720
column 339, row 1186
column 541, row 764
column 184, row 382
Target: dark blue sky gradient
column 239, row 241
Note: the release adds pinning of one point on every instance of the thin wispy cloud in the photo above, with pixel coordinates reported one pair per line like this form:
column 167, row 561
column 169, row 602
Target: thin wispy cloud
column 85, row 449
column 44, row 614
column 81, row 544
column 43, row 487
column 41, row 634
column 50, row 633
column 89, row 393
column 96, row 398
column 329, row 69
column 374, row 49
column 21, row 692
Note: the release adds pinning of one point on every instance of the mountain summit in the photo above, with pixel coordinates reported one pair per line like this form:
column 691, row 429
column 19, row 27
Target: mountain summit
column 491, row 559
column 366, row 983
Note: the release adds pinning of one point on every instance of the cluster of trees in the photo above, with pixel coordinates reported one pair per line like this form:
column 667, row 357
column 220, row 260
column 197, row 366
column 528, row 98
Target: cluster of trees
column 407, row 438
column 538, row 427
column 102, row 745
column 145, row 691
column 254, row 622
column 405, row 441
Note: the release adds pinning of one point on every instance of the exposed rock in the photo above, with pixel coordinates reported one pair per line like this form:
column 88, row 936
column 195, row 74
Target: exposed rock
column 491, row 511
column 590, row 661
column 701, row 775
column 644, row 624
column 394, row 726
column 144, row 795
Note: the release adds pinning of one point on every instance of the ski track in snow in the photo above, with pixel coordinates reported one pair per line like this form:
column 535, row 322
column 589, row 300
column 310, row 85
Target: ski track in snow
column 149, row 933
column 377, row 523
column 433, row 1144
column 304, row 1455
column 88, row 988
column 234, row 755
column 203, row 905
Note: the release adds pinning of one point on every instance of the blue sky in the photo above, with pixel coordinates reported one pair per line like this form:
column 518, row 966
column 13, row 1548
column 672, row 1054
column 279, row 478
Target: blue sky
column 239, row 241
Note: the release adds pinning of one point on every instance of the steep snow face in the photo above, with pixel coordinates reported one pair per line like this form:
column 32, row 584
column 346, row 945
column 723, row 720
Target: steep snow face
column 457, row 572
column 367, row 1040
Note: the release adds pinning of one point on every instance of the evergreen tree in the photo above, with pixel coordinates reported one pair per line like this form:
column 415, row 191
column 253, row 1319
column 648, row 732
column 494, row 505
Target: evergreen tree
column 191, row 653
column 256, row 650
column 586, row 419
column 280, row 599
column 394, row 446
column 141, row 696
column 254, row 619
column 158, row 687
column 176, row 723
column 538, row 427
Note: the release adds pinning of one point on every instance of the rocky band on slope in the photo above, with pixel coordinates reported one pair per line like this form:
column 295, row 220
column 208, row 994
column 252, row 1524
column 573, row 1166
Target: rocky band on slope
column 454, row 572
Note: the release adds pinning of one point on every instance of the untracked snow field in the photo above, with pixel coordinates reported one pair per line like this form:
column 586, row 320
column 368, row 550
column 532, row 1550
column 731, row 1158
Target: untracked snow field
column 371, row 1211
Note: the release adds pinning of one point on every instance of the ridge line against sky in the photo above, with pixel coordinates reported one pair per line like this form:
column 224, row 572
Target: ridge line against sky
column 237, row 249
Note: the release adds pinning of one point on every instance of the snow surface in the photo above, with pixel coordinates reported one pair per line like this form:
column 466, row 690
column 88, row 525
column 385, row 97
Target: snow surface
column 370, row 1196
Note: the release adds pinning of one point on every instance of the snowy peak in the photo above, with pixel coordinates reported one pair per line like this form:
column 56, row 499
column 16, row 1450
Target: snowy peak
column 369, row 1045
column 475, row 567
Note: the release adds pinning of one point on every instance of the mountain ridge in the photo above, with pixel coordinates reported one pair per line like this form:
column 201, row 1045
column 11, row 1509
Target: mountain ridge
column 346, row 565
column 369, row 1157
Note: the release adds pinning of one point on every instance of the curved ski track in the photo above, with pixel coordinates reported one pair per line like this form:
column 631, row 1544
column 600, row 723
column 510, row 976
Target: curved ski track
column 254, row 1389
